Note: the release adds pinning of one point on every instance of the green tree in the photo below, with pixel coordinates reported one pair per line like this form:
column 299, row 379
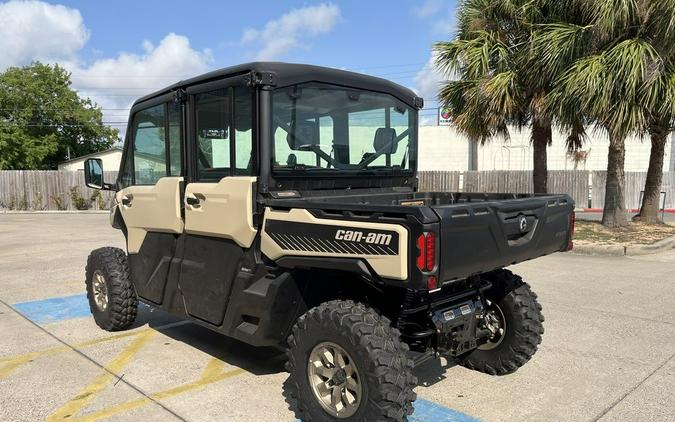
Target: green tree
column 619, row 82
column 576, row 63
column 41, row 117
column 495, row 74
column 658, row 97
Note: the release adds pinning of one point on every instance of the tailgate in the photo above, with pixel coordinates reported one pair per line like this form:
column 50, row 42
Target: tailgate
column 478, row 237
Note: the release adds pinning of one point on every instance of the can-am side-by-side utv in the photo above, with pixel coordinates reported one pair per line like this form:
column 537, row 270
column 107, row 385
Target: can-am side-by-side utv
column 278, row 204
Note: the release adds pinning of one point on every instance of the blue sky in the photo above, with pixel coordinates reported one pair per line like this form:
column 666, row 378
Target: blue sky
column 120, row 50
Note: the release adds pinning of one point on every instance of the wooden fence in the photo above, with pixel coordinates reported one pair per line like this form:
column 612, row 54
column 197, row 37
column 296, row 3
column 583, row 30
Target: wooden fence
column 443, row 181
column 635, row 185
column 51, row 190
column 571, row 182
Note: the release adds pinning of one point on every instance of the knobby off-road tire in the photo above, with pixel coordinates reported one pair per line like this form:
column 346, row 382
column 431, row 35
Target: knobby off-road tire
column 114, row 306
column 523, row 331
column 380, row 359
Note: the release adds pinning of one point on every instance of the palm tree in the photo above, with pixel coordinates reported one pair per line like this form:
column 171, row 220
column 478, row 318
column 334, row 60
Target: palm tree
column 493, row 82
column 615, row 82
column 651, row 199
column 601, row 86
column 604, row 63
column 659, row 100
column 658, row 97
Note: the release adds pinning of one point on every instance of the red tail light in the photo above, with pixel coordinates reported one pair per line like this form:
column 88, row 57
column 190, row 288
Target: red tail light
column 431, row 251
column 426, row 245
column 432, row 282
column 422, row 252
column 573, row 220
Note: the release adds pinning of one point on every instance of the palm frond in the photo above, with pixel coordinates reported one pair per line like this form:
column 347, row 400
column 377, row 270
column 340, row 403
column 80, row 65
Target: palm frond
column 503, row 96
column 612, row 17
column 554, row 46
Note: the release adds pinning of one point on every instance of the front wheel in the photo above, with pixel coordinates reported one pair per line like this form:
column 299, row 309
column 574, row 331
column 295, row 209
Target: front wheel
column 346, row 362
column 112, row 298
column 513, row 318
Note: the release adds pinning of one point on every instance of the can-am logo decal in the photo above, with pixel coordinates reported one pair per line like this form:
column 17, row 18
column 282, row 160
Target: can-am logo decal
column 358, row 236
column 328, row 238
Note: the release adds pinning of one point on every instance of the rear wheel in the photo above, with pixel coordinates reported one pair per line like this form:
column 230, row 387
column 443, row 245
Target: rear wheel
column 112, row 299
column 513, row 318
column 347, row 363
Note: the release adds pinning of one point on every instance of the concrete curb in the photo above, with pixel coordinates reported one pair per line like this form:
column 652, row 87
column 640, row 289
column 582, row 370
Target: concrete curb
column 625, row 250
column 56, row 212
column 661, row 245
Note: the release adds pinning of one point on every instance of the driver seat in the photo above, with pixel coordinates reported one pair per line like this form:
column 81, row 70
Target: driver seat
column 384, row 140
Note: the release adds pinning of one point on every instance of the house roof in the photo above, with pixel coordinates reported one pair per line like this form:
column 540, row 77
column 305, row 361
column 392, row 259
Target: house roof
column 93, row 154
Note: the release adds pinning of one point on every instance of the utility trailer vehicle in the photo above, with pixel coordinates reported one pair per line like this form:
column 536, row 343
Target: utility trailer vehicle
column 278, row 204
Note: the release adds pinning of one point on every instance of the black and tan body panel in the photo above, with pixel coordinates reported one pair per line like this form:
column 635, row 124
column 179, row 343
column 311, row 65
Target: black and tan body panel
column 296, row 232
column 224, row 209
column 150, row 208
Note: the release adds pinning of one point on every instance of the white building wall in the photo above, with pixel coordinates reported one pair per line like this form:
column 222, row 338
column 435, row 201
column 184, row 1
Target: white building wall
column 111, row 161
column 442, row 148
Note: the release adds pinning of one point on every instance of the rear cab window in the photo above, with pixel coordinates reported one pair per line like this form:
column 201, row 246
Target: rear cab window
column 224, row 133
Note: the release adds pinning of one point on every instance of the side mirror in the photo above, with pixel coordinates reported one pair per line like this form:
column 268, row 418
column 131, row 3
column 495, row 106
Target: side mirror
column 93, row 174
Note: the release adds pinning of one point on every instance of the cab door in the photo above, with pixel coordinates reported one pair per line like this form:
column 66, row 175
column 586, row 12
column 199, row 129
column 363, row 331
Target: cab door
column 150, row 199
column 219, row 196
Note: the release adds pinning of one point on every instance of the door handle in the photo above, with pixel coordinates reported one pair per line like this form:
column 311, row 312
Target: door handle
column 192, row 200
column 126, row 200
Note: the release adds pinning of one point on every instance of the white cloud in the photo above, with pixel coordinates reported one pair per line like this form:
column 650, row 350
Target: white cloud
column 290, row 30
column 440, row 14
column 114, row 83
column 428, row 79
column 445, row 27
column 172, row 59
column 34, row 30
column 427, row 82
column 428, row 8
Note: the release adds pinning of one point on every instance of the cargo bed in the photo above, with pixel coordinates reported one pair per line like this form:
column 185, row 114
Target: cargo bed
column 478, row 232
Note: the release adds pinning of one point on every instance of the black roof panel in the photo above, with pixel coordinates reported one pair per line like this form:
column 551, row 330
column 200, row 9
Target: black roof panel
column 292, row 73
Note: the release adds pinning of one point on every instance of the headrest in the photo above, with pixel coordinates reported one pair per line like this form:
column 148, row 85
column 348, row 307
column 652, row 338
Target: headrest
column 384, row 140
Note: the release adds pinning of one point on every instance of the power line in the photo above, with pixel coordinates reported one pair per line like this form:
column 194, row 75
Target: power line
column 384, row 66
column 393, row 65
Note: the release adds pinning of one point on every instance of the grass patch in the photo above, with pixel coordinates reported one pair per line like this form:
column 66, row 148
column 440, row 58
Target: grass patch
column 589, row 232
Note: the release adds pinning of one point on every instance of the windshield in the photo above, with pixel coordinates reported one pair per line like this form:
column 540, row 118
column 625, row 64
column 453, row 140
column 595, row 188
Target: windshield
column 319, row 128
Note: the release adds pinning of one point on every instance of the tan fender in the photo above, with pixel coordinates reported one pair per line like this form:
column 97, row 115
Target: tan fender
column 387, row 262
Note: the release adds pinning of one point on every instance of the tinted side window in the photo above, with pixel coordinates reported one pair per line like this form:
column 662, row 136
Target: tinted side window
column 212, row 114
column 126, row 177
column 149, row 145
column 175, row 138
column 243, row 126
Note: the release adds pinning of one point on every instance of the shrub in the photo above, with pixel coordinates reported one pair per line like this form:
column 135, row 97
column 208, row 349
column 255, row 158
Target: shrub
column 79, row 202
column 59, row 203
column 100, row 200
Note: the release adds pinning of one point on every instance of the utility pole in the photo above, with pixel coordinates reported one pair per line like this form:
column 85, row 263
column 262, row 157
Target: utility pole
column 473, row 154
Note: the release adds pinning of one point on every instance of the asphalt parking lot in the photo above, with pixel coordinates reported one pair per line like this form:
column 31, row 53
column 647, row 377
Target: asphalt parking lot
column 608, row 352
